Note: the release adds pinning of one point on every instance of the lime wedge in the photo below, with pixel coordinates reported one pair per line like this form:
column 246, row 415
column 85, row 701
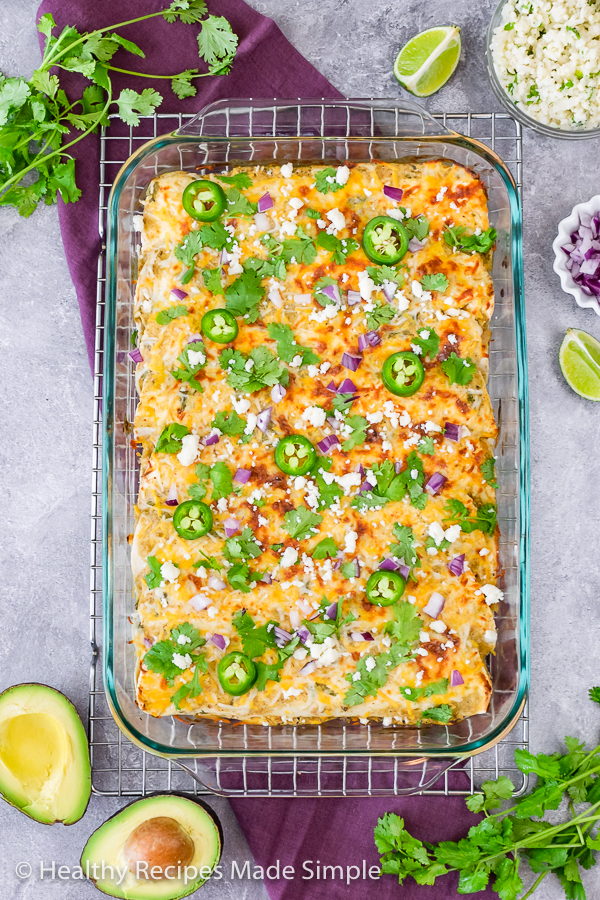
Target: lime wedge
column 425, row 64
column 579, row 359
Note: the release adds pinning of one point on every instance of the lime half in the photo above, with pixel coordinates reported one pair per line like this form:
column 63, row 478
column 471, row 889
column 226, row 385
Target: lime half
column 579, row 359
column 425, row 64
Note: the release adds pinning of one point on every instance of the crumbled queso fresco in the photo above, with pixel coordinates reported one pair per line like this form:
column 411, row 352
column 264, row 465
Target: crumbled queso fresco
column 546, row 54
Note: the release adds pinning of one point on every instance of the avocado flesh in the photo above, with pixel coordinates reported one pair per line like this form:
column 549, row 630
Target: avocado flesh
column 44, row 760
column 107, row 842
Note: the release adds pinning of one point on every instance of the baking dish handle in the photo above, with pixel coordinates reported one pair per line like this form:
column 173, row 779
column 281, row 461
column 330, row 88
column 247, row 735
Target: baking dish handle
column 226, row 119
column 356, row 776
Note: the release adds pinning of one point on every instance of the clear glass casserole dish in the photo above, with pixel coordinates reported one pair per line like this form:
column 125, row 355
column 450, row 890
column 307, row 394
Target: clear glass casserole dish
column 238, row 132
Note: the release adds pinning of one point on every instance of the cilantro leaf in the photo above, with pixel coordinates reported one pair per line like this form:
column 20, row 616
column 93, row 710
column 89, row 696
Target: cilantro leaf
column 173, row 312
column 358, row 436
column 189, row 370
column 159, row 657
column 154, row 577
column 405, row 626
column 405, row 548
column 243, row 546
column 133, row 105
column 325, row 181
column 437, row 282
column 417, row 228
column 427, row 341
column 266, row 369
column 313, row 213
column 212, row 280
column 241, row 180
column 222, row 482
column 215, row 236
column 595, row 694
column 430, row 690
column 255, row 639
column 170, row 440
column 381, row 274
column 301, row 523
column 457, row 236
column 186, row 253
column 188, row 11
column 238, row 204
column 241, row 578
column 329, row 492
column 287, row 348
column 343, row 402
column 340, row 248
column 374, row 676
column 209, row 562
column 244, row 295
column 217, row 42
column 182, row 86
column 228, row 422
column 483, row 520
column 426, row 446
column 348, row 569
column 459, row 371
column 382, row 313
column 301, row 248
column 441, row 714
column 389, row 487
column 488, row 470
column 328, row 548
column 193, row 687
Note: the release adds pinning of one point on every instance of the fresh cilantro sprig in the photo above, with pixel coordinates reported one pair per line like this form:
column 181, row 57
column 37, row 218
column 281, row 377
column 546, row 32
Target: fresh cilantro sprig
column 220, row 476
column 242, row 578
column 243, row 296
column 301, row 248
column 381, row 274
column 358, row 434
column 320, row 297
column 405, row 548
column 457, row 236
column 483, row 520
column 325, row 548
column 488, row 470
column 154, row 577
column 459, row 370
column 325, row 181
column 243, row 546
column 493, row 850
column 187, row 370
column 329, row 490
column 324, row 627
column 258, row 370
column 389, row 487
column 287, row 348
column 380, row 315
column 183, row 640
column 339, row 248
column 229, row 423
column 301, row 523
column 430, row 690
column 427, row 341
column 37, row 118
column 256, row 639
column 238, row 204
column 213, row 235
column 170, row 440
column 173, row 312
column 417, row 227
column 436, row 282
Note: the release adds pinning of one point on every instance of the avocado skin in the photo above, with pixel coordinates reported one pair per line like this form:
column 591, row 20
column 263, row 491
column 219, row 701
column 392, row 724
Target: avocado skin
column 81, row 743
column 147, row 803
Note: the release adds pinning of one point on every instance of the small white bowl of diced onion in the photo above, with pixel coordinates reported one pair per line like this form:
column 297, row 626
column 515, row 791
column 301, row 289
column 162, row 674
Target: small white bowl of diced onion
column 577, row 254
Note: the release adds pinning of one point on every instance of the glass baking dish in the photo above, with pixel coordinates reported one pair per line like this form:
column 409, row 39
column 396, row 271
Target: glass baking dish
column 239, row 132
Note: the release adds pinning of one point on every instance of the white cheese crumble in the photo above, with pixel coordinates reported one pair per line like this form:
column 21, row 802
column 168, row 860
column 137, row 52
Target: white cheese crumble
column 169, row 572
column 491, row 593
column 336, row 218
column 315, row 416
column 289, row 558
column 182, row 661
column 366, row 285
column 189, row 449
column 286, row 170
column 342, row 174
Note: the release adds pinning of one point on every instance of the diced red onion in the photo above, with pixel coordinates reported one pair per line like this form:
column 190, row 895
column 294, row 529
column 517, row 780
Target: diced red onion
column 339, row 559
column 224, row 258
column 397, row 467
column 347, row 387
column 262, row 221
column 172, row 496
column 373, row 338
column 332, row 611
column 212, row 438
column 366, row 486
column 265, row 202
column 177, row 292
column 452, row 431
column 266, row 579
column 331, row 387
column 414, row 245
column 393, row 193
column 435, row 483
column 327, row 443
column 360, row 469
column 435, row 605
column 136, row 356
column 242, row 476
column 389, row 289
column 351, row 360
column 353, row 297
column 263, row 419
column 356, row 568
column 303, row 633
column 278, row 392
column 282, row 637
column 390, row 565
column 147, row 643
column 195, row 339
column 457, row 564
column 309, row 668
column 583, row 254
column 219, row 641
column 404, row 571
column 199, row 602
column 216, row 583
column 367, row 636
column 231, row 526
column 456, row 678
column 332, row 292
column 363, row 342
column 333, row 423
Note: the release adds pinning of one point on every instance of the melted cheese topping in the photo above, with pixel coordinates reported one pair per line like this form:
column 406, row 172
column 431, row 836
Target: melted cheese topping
column 464, row 632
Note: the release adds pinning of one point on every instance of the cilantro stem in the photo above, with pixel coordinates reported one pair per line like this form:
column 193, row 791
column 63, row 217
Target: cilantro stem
column 84, row 37
column 145, row 75
column 535, row 884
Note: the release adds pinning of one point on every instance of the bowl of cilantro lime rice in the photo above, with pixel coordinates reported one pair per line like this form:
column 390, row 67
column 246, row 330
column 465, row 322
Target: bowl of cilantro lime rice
column 543, row 59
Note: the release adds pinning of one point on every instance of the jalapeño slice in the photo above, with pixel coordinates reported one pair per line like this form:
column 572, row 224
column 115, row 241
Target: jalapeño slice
column 385, row 587
column 385, row 240
column 403, row 373
column 295, row 455
column 204, row 200
column 220, row 326
column 237, row 673
column 192, row 519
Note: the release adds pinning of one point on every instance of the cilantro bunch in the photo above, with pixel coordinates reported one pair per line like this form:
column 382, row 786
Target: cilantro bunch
column 494, row 850
column 38, row 119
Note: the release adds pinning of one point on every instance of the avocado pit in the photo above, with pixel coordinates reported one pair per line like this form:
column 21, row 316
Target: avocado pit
column 156, row 845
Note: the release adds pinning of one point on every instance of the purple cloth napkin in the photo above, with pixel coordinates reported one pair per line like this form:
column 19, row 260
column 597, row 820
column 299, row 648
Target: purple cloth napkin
column 266, row 65
column 307, row 833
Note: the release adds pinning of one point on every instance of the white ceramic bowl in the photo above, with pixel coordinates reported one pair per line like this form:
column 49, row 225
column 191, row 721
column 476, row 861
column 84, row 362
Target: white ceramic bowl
column 565, row 230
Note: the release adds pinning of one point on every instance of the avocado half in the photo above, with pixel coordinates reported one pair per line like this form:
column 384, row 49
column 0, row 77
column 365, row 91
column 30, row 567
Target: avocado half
column 160, row 848
column 44, row 759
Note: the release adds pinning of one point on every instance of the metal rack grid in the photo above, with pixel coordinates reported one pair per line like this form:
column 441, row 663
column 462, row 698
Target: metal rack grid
column 122, row 769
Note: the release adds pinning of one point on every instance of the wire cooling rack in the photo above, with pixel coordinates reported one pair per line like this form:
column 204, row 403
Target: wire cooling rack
column 122, row 769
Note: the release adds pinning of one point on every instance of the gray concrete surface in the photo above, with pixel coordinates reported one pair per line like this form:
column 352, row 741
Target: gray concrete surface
column 46, row 408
